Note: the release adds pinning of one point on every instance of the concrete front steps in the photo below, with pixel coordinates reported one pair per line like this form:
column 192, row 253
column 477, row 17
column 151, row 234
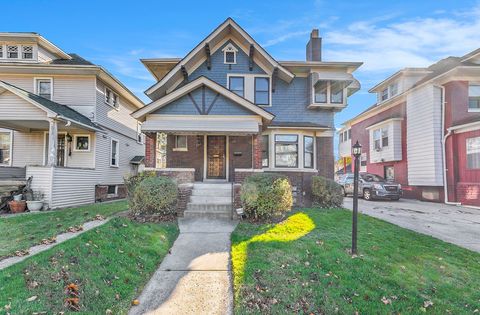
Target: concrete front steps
column 210, row 200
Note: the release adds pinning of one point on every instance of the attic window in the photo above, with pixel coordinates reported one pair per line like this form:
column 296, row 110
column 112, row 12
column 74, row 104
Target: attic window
column 27, row 52
column 111, row 98
column 12, row 52
column 1, row 51
column 230, row 54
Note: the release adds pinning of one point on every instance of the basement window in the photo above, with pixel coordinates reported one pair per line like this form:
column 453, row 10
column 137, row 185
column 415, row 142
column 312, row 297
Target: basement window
column 112, row 191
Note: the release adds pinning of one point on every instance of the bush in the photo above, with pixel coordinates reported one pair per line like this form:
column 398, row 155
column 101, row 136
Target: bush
column 155, row 195
column 266, row 195
column 131, row 183
column 326, row 193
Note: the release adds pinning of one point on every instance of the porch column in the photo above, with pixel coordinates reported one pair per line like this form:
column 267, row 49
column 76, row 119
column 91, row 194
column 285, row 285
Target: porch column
column 257, row 151
column 52, row 142
column 151, row 149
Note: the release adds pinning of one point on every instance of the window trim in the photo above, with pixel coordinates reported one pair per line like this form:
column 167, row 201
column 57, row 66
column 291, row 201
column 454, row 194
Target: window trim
column 18, row 52
column 181, row 149
column 230, row 48
column 268, row 150
column 36, row 81
column 466, row 154
column 237, row 77
column 117, row 153
column 326, row 94
column 380, row 130
column 115, row 194
column 305, row 151
column 255, row 90
column 110, row 101
column 275, row 149
column 331, row 94
column 10, row 150
column 470, row 109
column 23, row 52
column 75, row 139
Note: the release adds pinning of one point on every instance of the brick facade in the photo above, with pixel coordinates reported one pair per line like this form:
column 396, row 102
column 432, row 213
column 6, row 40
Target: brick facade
column 325, row 159
column 180, row 176
column 192, row 158
column 150, row 149
column 184, row 193
column 101, row 193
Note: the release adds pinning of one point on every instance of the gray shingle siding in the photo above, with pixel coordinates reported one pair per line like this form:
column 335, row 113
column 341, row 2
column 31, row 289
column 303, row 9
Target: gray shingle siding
column 185, row 106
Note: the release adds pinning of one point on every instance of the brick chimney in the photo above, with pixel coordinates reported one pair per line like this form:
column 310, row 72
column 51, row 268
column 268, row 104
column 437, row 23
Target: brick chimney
column 314, row 46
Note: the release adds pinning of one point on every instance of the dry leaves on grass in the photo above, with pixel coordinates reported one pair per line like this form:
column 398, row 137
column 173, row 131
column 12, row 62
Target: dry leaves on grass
column 48, row 241
column 20, row 253
column 386, row 301
column 75, row 229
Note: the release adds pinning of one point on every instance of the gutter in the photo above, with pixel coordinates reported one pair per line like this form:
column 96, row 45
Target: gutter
column 444, row 155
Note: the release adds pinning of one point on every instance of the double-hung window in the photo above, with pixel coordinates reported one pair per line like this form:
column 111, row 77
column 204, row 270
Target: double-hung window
column 181, row 143
column 44, row 88
column 307, row 152
column 384, row 95
column 336, row 92
column 237, row 85
column 114, row 153
column 111, row 98
column 473, row 153
column 474, row 97
column 380, row 138
column 262, row 91
column 12, row 52
column 321, row 88
column 286, row 151
column 265, row 150
column 5, row 148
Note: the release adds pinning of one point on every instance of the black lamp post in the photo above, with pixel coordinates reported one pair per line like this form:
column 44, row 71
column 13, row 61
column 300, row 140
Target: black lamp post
column 357, row 152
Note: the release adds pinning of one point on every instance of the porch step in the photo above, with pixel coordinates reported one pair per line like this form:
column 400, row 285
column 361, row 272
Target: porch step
column 211, row 198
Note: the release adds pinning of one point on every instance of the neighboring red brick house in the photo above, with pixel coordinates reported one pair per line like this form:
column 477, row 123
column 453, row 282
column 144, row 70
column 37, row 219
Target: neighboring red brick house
column 424, row 131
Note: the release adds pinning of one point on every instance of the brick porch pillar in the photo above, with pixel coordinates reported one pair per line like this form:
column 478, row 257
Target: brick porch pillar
column 325, row 159
column 150, row 149
column 257, row 151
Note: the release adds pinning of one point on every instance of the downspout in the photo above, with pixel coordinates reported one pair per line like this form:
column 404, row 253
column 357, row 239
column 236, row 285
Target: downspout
column 444, row 154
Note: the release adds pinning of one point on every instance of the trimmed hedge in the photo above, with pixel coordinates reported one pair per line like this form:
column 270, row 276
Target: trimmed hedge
column 155, row 195
column 266, row 195
column 131, row 183
column 326, row 193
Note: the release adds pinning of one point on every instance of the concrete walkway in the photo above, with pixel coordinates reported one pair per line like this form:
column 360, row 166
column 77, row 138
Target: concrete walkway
column 196, row 277
column 60, row 238
column 453, row 224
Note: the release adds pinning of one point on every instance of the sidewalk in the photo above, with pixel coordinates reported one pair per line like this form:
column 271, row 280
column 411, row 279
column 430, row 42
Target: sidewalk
column 196, row 277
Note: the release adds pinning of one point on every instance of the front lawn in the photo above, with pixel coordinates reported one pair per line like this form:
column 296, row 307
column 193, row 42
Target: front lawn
column 110, row 265
column 23, row 231
column 302, row 265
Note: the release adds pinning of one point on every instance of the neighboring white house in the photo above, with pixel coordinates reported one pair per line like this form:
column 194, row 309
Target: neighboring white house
column 64, row 121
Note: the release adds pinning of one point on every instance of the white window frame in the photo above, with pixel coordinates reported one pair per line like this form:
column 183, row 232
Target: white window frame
column 177, row 148
column 19, row 51
column 305, row 151
column 11, row 148
column 472, row 110
column 329, row 94
column 234, row 50
column 114, row 194
column 75, row 139
column 109, row 101
column 117, row 153
column 473, row 151
column 380, row 131
column 249, row 86
column 36, row 81
column 384, row 95
column 2, row 51
column 140, row 135
column 23, row 52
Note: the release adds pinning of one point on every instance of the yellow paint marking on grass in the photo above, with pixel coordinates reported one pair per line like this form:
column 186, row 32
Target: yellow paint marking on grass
column 293, row 228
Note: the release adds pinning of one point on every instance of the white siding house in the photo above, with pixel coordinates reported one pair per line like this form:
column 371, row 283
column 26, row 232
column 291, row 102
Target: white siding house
column 61, row 125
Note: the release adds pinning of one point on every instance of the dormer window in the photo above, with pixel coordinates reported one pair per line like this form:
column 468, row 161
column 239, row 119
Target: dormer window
column 12, row 52
column 27, row 52
column 230, row 54
column 389, row 92
column 1, row 51
column 384, row 95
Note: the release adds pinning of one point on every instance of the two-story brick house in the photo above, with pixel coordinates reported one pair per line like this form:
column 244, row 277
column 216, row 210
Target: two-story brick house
column 65, row 122
column 229, row 109
column 424, row 130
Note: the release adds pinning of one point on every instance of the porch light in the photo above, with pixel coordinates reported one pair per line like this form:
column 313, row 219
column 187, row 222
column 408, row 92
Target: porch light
column 357, row 149
column 69, row 138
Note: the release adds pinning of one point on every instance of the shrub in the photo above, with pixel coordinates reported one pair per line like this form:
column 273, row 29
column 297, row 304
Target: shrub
column 155, row 195
column 266, row 195
column 326, row 193
column 131, row 183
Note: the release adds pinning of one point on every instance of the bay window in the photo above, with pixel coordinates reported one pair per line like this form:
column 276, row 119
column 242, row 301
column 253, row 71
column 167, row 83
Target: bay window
column 321, row 88
column 265, row 150
column 336, row 92
column 5, row 148
column 474, row 98
column 473, row 153
column 307, row 152
column 286, row 151
column 380, row 138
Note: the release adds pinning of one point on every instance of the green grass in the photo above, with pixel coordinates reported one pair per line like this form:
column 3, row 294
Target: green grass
column 297, row 267
column 23, row 231
column 110, row 264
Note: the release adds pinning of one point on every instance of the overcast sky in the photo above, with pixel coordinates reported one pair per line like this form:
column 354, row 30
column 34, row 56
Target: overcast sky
column 385, row 35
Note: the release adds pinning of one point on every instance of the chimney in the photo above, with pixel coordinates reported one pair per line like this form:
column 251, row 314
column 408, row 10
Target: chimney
column 314, row 46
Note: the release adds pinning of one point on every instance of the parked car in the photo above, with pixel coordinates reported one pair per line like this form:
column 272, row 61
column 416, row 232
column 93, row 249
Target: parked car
column 371, row 186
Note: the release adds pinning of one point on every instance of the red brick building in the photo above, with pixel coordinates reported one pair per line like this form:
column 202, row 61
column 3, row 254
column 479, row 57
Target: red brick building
column 424, row 131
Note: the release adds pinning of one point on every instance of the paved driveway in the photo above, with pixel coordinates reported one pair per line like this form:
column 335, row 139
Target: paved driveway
column 457, row 225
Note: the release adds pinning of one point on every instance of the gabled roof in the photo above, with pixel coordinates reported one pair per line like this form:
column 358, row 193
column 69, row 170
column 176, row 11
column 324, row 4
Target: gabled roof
column 75, row 60
column 55, row 109
column 38, row 38
column 191, row 61
column 191, row 86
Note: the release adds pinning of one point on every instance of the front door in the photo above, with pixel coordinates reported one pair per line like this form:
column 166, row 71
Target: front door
column 216, row 157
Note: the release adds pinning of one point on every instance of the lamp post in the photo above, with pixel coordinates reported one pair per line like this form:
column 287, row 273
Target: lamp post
column 357, row 152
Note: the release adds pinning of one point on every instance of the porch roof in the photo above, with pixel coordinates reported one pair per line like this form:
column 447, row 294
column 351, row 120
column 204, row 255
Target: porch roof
column 54, row 109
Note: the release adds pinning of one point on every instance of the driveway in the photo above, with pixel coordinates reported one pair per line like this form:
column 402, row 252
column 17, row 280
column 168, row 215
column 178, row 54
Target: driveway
column 453, row 224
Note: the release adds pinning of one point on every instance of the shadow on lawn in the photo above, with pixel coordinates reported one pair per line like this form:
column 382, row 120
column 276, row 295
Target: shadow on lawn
column 292, row 229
